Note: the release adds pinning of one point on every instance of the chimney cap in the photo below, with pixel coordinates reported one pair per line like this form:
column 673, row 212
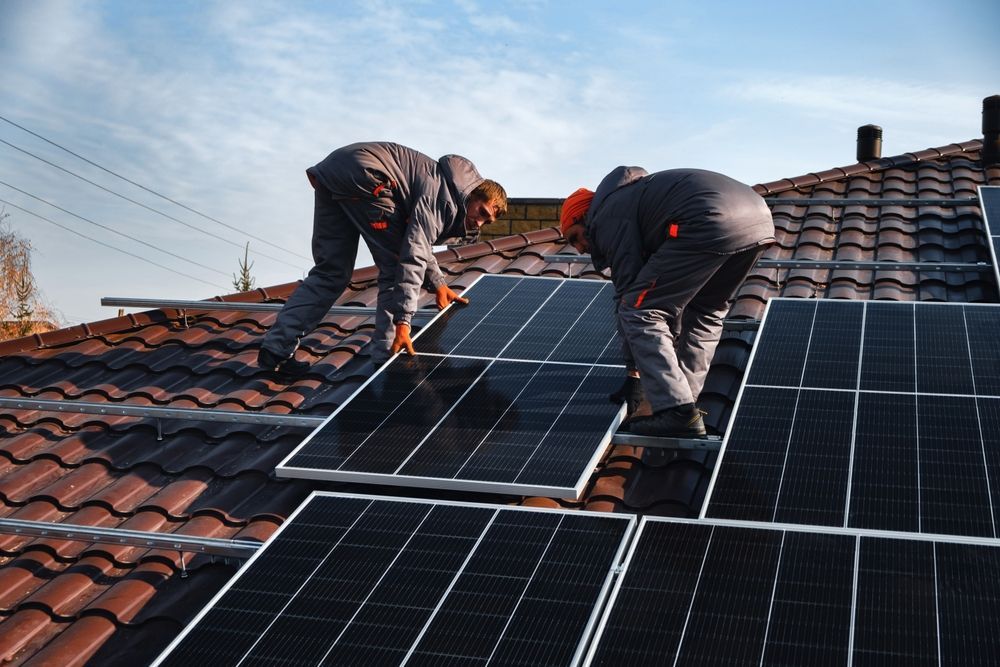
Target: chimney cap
column 990, row 153
column 869, row 143
column 991, row 114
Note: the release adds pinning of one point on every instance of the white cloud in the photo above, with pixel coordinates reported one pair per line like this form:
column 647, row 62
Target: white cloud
column 491, row 23
column 36, row 32
column 222, row 106
column 226, row 121
column 933, row 108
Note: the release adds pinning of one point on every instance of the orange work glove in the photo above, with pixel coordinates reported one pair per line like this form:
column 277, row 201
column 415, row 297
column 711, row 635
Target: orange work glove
column 445, row 296
column 402, row 340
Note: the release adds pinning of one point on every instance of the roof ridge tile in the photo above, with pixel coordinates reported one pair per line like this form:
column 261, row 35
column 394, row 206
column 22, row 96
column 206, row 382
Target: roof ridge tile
column 785, row 184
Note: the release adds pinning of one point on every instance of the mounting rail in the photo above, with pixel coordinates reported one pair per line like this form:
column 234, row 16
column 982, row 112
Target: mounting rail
column 855, row 201
column 823, row 264
column 137, row 538
column 711, row 443
column 157, row 412
column 234, row 306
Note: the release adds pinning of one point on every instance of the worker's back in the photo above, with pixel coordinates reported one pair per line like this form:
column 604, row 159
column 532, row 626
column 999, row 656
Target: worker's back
column 702, row 210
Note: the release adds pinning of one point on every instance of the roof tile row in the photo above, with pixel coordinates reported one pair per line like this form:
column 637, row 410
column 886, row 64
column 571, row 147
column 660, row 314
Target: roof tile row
column 66, row 602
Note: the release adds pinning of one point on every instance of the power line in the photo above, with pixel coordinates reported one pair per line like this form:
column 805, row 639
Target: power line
column 154, row 192
column 108, row 245
column 137, row 203
column 114, row 231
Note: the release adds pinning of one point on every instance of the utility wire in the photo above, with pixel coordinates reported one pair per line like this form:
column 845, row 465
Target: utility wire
column 114, row 231
column 108, row 245
column 148, row 208
column 153, row 192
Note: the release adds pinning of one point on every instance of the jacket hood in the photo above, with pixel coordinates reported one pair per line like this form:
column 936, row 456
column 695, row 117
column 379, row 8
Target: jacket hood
column 462, row 178
column 618, row 178
column 461, row 175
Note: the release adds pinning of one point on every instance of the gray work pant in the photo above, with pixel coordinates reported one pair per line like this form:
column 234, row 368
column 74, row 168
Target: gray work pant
column 338, row 225
column 671, row 318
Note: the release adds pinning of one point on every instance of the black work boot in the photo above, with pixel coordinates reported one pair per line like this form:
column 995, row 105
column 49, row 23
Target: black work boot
column 293, row 369
column 287, row 368
column 682, row 421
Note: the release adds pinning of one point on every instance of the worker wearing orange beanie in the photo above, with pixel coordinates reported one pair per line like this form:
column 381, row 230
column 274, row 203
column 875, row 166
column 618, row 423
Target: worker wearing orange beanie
column 575, row 208
column 679, row 243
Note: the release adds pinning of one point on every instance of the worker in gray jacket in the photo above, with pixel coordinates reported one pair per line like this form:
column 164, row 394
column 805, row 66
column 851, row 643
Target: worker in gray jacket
column 402, row 203
column 679, row 243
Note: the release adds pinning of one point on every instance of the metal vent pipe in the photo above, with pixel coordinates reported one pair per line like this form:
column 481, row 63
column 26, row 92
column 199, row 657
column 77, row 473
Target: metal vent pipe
column 991, row 131
column 869, row 143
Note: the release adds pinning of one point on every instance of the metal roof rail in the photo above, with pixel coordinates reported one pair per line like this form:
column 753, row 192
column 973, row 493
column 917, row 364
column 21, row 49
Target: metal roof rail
column 824, row 264
column 871, row 266
column 158, row 413
column 567, row 259
column 137, row 538
column 855, row 201
column 236, row 306
column 710, row 443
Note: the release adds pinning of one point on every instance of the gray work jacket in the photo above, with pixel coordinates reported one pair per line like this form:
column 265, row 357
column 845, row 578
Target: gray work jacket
column 634, row 212
column 417, row 203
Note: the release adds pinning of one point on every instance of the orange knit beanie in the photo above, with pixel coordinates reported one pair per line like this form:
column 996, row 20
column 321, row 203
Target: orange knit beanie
column 574, row 208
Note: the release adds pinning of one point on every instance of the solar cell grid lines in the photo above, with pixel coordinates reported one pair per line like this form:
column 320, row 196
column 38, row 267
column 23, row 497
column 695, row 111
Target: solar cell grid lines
column 989, row 200
column 387, row 581
column 538, row 319
column 721, row 593
column 871, row 415
column 531, row 417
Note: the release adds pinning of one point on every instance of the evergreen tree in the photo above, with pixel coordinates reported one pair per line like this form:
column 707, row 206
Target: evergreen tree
column 244, row 281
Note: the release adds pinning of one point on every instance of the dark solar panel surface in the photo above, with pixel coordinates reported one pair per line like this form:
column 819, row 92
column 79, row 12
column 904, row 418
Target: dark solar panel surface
column 991, row 207
column 709, row 594
column 483, row 423
column 450, row 421
column 539, row 319
column 366, row 581
column 996, row 250
column 886, row 417
column 990, row 199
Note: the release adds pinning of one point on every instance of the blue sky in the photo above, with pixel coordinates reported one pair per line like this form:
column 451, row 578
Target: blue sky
column 222, row 105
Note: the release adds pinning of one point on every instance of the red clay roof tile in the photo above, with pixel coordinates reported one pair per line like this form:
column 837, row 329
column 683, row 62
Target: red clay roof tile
column 212, row 479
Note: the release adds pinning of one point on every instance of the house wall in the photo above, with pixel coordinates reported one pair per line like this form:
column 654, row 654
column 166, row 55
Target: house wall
column 524, row 215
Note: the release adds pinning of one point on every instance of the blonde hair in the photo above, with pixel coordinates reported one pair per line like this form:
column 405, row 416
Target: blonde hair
column 493, row 193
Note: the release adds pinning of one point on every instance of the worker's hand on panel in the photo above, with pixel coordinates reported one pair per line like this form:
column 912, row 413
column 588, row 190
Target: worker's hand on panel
column 402, row 340
column 445, row 295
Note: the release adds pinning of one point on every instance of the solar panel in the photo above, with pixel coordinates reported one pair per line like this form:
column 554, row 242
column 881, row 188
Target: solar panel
column 989, row 200
column 715, row 592
column 450, row 418
column 870, row 415
column 539, row 319
column 356, row 580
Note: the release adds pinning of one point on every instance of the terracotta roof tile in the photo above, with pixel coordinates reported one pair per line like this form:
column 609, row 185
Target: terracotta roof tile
column 26, row 631
column 488, row 264
column 76, row 642
column 67, row 602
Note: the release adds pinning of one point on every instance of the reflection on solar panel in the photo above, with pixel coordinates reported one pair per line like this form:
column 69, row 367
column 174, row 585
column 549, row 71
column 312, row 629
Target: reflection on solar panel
column 354, row 580
column 500, row 423
column 541, row 319
column 870, row 415
column 989, row 200
column 710, row 593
